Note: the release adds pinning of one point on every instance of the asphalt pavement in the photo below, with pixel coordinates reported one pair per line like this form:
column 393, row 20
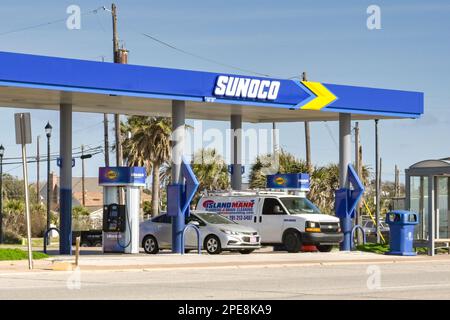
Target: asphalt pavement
column 353, row 279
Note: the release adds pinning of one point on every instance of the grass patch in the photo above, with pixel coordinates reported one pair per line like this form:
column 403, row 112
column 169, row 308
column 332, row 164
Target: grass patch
column 19, row 254
column 373, row 247
column 383, row 248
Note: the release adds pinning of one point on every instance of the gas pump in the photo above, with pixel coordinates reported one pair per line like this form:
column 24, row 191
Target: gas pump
column 121, row 221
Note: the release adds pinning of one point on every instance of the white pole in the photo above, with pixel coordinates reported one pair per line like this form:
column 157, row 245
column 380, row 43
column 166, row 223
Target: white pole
column 27, row 199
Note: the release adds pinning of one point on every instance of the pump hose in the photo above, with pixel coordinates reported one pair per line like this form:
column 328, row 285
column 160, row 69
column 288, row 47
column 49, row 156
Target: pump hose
column 129, row 228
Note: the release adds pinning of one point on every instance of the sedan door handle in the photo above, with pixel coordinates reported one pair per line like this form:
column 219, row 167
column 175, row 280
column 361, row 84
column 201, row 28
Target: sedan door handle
column 254, row 219
column 260, row 219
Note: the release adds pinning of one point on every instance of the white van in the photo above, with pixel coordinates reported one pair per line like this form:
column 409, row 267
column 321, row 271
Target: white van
column 280, row 218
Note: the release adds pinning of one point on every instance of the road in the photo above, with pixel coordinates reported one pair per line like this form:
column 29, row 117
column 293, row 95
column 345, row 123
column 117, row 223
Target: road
column 415, row 280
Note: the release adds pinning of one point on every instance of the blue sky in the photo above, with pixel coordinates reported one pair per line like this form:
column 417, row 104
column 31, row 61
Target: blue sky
column 327, row 39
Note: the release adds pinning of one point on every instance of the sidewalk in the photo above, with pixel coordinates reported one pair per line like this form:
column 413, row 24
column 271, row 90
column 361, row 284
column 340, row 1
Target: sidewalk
column 96, row 261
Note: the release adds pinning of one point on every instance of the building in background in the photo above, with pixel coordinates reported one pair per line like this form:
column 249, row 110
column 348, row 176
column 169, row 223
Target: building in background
column 93, row 193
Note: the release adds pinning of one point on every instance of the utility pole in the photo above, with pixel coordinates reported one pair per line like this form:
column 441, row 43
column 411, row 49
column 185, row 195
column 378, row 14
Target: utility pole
column 116, row 60
column 83, row 201
column 38, row 200
column 358, row 172
column 106, row 138
column 397, row 182
column 120, row 56
column 307, row 138
column 377, row 183
column 106, row 133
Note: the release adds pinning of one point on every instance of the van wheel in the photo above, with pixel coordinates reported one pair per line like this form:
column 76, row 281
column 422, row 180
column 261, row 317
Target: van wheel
column 325, row 248
column 150, row 245
column 292, row 241
column 212, row 245
column 246, row 251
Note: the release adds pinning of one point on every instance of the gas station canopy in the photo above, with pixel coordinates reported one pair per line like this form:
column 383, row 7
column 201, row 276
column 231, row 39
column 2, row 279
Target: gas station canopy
column 41, row 82
column 68, row 85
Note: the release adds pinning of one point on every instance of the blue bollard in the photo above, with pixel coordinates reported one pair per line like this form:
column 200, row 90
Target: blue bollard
column 346, row 226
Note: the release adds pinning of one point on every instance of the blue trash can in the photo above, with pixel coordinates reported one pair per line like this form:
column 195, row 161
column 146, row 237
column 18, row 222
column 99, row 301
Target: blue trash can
column 401, row 232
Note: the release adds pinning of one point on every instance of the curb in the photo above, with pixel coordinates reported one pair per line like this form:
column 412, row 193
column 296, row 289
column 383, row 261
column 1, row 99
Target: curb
column 61, row 265
column 264, row 264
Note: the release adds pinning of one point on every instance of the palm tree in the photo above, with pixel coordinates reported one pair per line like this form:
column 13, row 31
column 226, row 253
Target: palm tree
column 148, row 146
column 287, row 163
column 13, row 211
column 210, row 169
column 324, row 179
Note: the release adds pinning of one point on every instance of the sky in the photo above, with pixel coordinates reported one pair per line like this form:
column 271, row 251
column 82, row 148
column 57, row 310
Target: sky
column 327, row 39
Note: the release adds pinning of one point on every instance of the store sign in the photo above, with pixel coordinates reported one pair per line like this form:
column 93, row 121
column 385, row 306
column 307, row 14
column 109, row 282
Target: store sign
column 247, row 88
column 293, row 181
column 122, row 176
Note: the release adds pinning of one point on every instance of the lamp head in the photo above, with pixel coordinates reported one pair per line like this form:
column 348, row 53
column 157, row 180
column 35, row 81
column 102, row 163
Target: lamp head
column 48, row 130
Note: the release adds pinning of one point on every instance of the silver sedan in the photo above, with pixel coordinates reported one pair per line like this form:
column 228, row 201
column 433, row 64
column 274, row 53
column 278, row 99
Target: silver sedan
column 217, row 234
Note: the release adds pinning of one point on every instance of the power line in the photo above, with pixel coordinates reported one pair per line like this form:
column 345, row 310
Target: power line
column 43, row 157
column 12, row 169
column 51, row 159
column 46, row 23
column 201, row 57
column 171, row 46
column 331, row 135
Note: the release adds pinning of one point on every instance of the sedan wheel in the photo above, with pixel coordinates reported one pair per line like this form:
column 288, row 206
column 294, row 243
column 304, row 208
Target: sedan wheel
column 212, row 245
column 150, row 245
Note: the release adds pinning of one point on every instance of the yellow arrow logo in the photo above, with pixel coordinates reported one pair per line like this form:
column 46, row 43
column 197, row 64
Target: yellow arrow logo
column 323, row 96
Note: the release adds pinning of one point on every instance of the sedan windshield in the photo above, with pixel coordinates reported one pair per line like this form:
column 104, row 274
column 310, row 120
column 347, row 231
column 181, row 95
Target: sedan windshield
column 299, row 205
column 213, row 218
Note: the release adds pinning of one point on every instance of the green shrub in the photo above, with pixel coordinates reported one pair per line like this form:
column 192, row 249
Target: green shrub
column 10, row 237
column 374, row 248
column 18, row 254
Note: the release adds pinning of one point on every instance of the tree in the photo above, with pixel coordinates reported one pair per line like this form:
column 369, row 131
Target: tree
column 323, row 182
column 13, row 211
column 210, row 169
column 80, row 218
column 287, row 163
column 148, row 146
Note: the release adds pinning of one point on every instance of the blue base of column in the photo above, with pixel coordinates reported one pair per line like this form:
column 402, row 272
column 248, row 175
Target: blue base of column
column 346, row 226
column 401, row 253
column 65, row 224
column 178, row 224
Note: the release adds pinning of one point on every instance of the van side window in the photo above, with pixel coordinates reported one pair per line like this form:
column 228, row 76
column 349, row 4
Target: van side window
column 272, row 207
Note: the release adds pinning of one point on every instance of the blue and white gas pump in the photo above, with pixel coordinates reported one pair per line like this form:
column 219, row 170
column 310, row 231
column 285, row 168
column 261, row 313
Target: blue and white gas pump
column 121, row 221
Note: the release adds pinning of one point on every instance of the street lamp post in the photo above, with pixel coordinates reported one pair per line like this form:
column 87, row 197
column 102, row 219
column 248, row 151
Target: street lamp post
column 2, row 151
column 48, row 133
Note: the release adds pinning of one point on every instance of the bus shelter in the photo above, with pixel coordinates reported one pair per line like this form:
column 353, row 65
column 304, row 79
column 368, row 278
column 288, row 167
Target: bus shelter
column 427, row 186
column 69, row 85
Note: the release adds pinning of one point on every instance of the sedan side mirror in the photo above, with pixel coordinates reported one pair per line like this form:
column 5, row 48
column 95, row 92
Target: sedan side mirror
column 195, row 223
